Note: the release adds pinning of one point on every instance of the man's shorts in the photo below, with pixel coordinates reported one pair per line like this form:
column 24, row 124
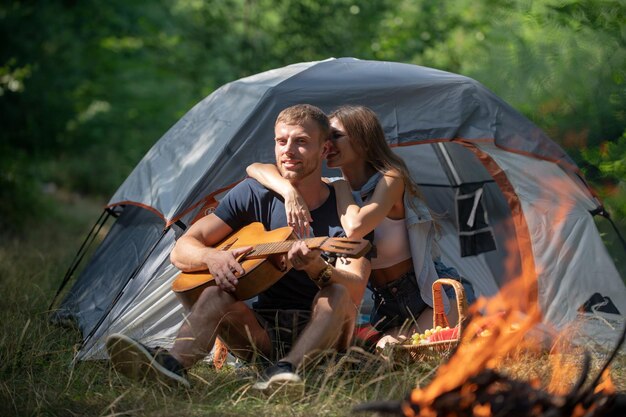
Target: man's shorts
column 283, row 327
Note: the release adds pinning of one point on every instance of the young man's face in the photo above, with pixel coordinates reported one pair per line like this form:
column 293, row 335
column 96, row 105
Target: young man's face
column 299, row 149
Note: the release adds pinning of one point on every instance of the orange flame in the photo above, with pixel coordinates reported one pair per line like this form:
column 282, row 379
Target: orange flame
column 482, row 410
column 606, row 383
column 563, row 373
column 485, row 342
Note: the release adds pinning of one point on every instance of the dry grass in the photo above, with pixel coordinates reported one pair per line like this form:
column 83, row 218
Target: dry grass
column 36, row 378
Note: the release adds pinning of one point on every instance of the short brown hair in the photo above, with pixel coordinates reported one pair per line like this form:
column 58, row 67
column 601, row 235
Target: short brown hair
column 300, row 112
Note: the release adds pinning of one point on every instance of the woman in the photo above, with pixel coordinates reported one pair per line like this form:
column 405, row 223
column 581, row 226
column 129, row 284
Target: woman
column 389, row 196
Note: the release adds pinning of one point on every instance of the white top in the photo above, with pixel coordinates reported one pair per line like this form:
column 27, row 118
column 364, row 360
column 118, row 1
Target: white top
column 392, row 243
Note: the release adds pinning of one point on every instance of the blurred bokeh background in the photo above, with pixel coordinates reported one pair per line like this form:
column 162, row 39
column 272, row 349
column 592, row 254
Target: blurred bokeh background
column 86, row 87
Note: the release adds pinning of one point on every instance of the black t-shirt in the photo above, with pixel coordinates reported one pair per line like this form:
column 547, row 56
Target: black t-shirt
column 250, row 202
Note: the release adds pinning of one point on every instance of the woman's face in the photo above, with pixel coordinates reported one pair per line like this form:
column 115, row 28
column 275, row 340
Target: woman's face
column 341, row 152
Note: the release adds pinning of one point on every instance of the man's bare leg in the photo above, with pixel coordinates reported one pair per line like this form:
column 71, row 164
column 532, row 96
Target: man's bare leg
column 215, row 312
column 218, row 313
column 331, row 325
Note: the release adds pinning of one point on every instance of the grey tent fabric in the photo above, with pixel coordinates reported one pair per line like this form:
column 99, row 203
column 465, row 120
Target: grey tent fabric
column 453, row 133
column 121, row 252
column 229, row 126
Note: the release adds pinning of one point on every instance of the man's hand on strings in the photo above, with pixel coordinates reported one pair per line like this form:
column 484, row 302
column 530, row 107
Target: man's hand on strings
column 225, row 268
column 303, row 258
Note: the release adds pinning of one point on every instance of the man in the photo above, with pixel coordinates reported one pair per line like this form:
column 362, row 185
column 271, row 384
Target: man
column 315, row 303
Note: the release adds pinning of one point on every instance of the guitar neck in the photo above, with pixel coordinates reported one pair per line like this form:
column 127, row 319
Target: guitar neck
column 263, row 250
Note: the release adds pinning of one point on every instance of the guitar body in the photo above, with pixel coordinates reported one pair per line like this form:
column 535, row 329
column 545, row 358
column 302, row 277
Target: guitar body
column 260, row 274
column 264, row 264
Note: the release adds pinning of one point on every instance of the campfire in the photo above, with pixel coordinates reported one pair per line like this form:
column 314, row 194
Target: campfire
column 483, row 391
column 505, row 328
column 490, row 393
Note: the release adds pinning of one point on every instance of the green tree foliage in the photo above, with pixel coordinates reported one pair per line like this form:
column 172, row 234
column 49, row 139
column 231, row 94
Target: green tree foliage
column 86, row 87
column 607, row 168
column 561, row 63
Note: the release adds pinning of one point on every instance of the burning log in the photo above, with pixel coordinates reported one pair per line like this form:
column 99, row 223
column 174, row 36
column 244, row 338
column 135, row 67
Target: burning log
column 491, row 394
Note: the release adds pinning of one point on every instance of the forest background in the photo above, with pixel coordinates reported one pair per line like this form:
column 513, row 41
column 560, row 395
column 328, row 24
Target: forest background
column 86, row 87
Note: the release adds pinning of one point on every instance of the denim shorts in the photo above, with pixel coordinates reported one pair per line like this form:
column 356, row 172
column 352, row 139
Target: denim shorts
column 399, row 302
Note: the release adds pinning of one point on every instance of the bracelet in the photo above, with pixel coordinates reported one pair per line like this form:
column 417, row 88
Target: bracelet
column 325, row 274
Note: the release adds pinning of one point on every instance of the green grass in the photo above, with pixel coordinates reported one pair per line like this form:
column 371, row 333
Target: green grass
column 37, row 379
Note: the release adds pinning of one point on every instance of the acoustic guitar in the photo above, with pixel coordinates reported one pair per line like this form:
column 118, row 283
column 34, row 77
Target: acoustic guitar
column 263, row 264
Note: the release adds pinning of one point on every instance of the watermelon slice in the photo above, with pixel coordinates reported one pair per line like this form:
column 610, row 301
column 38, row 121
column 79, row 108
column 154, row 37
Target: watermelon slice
column 444, row 335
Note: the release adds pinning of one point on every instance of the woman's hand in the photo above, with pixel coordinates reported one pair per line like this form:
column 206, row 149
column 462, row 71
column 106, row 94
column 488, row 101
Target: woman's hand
column 297, row 212
column 298, row 215
column 389, row 340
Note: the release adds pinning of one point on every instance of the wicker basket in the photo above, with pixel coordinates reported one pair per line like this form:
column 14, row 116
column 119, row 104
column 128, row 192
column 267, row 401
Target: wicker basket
column 402, row 352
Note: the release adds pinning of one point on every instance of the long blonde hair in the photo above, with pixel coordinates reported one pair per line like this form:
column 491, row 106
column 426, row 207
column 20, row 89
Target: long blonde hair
column 367, row 138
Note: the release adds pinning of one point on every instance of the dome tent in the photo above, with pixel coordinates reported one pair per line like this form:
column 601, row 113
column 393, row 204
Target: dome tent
column 513, row 204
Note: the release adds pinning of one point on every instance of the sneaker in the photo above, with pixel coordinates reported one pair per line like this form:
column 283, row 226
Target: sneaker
column 141, row 363
column 276, row 376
